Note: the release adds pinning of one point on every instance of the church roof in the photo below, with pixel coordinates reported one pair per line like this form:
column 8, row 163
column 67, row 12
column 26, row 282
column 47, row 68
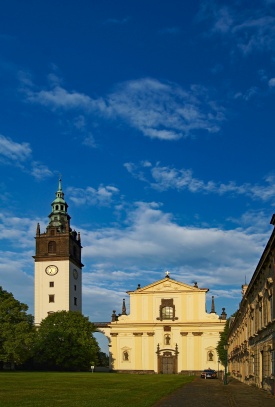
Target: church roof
column 167, row 284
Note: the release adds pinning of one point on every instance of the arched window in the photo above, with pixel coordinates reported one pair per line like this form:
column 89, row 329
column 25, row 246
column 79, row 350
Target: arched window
column 52, row 247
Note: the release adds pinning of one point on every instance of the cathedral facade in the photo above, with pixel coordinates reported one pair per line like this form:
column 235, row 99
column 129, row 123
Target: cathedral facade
column 167, row 330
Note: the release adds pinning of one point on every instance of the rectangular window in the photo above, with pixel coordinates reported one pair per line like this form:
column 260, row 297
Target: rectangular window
column 167, row 309
column 256, row 319
column 260, row 316
column 51, row 283
column 253, row 323
column 75, row 301
column 246, row 368
column 75, row 287
column 51, row 298
column 167, row 312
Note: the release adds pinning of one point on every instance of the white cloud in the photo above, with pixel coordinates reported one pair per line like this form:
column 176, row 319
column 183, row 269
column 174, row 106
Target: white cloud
column 250, row 28
column 248, row 94
column 80, row 122
column 15, row 279
column 16, row 266
column 90, row 196
column 271, row 82
column 156, row 109
column 58, row 97
column 152, row 240
column 165, row 110
column 252, row 221
column 40, row 171
column 16, row 231
column 223, row 20
column 230, row 293
column 255, row 33
column 89, row 141
column 165, row 178
column 20, row 155
column 13, row 151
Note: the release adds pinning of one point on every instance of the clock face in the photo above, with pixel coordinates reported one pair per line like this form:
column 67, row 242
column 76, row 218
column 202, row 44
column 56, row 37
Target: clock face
column 51, row 270
column 75, row 274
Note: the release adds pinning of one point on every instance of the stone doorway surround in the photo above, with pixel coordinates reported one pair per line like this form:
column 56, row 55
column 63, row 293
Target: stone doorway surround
column 167, row 360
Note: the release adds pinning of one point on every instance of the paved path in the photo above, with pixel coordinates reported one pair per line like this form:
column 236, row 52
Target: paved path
column 213, row 393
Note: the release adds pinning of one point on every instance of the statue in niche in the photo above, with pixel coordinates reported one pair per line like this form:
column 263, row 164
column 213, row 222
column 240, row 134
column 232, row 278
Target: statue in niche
column 125, row 355
column 167, row 340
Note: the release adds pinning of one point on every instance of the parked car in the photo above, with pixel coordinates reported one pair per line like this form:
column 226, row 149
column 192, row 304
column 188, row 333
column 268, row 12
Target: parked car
column 209, row 374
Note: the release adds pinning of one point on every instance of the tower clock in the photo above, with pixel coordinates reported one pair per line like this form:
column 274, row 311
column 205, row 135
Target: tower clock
column 58, row 267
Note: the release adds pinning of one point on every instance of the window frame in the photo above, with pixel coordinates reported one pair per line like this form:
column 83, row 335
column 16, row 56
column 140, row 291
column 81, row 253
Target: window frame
column 51, row 298
column 167, row 303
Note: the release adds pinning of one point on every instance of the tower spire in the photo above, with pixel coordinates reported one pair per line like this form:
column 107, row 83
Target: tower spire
column 213, row 306
column 123, row 308
column 59, row 217
column 60, row 184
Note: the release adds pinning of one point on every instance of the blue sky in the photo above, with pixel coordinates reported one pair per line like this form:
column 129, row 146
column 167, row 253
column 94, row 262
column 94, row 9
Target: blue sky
column 159, row 115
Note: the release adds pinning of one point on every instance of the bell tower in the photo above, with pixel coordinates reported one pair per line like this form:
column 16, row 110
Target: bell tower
column 58, row 267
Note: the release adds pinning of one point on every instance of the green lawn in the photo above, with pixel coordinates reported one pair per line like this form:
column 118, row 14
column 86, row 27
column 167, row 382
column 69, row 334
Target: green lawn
column 85, row 389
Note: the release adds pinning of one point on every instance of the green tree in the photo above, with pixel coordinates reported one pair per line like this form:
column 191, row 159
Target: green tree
column 16, row 330
column 222, row 353
column 65, row 342
column 103, row 359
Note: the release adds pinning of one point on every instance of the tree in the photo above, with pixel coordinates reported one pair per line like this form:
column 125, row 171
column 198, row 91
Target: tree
column 103, row 359
column 65, row 342
column 17, row 330
column 222, row 353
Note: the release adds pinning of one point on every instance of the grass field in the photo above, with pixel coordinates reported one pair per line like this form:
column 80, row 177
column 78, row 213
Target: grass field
column 42, row 389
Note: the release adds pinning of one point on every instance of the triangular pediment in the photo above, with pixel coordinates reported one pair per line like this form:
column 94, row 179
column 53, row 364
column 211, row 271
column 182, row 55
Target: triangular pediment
column 166, row 285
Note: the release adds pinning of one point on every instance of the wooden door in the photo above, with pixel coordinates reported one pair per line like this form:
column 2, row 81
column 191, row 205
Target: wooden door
column 167, row 364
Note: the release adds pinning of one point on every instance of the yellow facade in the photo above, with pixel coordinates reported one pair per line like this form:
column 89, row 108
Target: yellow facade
column 167, row 330
column 251, row 339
